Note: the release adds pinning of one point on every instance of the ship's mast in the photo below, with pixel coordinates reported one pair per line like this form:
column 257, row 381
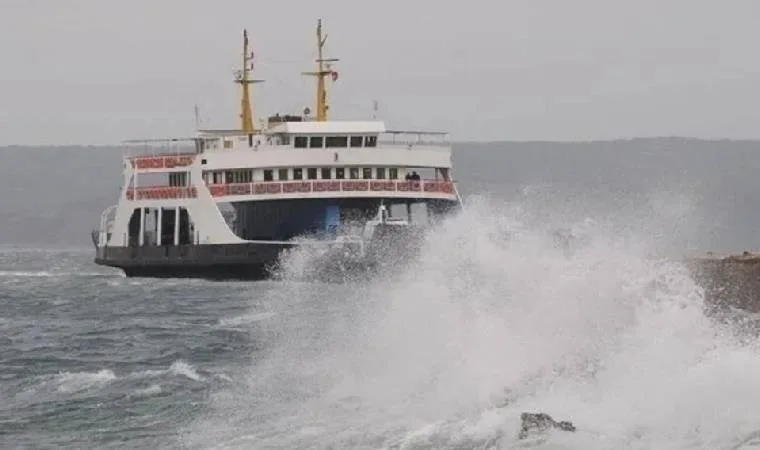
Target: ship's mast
column 323, row 69
column 244, row 78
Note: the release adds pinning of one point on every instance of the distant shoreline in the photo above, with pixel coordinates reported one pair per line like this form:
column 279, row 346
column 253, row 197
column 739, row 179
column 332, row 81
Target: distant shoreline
column 669, row 139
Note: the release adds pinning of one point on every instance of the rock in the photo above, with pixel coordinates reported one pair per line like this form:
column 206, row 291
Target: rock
column 541, row 422
column 728, row 280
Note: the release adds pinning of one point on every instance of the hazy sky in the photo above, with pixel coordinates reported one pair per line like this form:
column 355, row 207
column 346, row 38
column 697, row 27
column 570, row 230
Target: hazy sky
column 99, row 71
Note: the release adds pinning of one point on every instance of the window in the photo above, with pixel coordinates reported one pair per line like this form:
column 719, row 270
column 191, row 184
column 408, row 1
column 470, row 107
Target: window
column 311, row 173
column 300, row 142
column 371, row 141
column 340, row 173
column 227, row 144
column 393, row 173
column 336, row 141
column 242, row 176
column 356, row 141
column 228, row 175
column 268, row 175
column 282, row 174
column 367, row 174
column 354, row 173
column 381, row 173
column 298, row 174
column 315, row 142
column 326, row 173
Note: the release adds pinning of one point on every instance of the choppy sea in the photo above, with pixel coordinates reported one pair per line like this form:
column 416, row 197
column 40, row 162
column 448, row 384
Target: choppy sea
column 491, row 320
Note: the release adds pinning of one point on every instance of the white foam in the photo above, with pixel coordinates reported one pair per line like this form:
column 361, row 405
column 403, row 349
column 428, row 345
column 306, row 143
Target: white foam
column 27, row 273
column 55, row 272
column 184, row 369
column 69, row 382
column 246, row 319
column 153, row 389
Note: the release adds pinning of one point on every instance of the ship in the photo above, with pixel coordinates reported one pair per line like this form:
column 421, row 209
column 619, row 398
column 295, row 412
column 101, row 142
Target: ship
column 229, row 203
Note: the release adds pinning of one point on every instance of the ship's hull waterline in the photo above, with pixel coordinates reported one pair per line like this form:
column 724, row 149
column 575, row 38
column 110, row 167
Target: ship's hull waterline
column 389, row 248
column 207, row 261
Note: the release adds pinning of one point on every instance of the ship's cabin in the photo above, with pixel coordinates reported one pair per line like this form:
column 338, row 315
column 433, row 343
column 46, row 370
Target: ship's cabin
column 329, row 134
column 295, row 132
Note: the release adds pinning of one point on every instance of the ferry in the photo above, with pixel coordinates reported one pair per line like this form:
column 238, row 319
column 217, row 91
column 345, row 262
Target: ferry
column 228, row 204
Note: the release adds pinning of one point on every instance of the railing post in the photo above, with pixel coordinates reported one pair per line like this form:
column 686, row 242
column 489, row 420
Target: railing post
column 176, row 225
column 141, row 239
column 159, row 227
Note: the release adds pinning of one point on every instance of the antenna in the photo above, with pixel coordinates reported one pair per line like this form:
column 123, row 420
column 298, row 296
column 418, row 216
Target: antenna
column 324, row 68
column 197, row 117
column 244, row 78
column 374, row 110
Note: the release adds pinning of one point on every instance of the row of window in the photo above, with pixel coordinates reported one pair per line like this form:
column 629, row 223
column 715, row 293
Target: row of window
column 178, row 179
column 334, row 141
column 329, row 173
column 311, row 173
column 298, row 141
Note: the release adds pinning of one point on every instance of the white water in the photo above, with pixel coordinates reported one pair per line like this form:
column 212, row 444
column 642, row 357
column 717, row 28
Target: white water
column 492, row 312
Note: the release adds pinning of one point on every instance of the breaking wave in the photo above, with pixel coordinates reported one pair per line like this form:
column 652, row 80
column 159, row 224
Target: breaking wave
column 492, row 319
column 73, row 383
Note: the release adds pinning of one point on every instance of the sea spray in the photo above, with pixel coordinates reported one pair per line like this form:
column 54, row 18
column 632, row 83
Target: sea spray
column 492, row 319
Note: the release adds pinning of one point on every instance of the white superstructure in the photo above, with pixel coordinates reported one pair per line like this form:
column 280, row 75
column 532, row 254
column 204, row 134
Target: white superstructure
column 291, row 158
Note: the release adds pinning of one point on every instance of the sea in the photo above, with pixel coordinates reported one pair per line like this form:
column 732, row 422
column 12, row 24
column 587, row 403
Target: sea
column 490, row 321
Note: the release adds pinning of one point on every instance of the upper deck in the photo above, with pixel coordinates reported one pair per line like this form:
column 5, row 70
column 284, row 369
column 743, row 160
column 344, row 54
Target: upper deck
column 320, row 134
column 300, row 160
column 305, row 143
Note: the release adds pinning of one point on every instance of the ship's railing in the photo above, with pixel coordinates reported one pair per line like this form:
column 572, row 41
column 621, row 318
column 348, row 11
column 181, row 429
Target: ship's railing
column 162, row 161
column 101, row 236
column 412, row 138
column 145, row 154
column 293, row 187
column 160, row 146
column 161, row 192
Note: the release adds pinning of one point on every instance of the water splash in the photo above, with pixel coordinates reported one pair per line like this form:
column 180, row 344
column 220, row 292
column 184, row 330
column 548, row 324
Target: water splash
column 493, row 319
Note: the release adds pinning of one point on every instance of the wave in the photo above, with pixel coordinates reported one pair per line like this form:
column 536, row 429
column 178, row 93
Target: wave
column 48, row 274
column 86, row 383
column 493, row 319
column 246, row 319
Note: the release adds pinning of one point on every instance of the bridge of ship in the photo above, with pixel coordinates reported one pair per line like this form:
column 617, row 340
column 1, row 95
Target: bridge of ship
column 313, row 134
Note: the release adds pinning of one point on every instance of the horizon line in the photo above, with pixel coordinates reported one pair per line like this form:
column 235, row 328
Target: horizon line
column 453, row 142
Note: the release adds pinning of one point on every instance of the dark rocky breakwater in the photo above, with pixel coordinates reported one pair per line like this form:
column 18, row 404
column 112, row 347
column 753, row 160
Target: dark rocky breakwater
column 729, row 280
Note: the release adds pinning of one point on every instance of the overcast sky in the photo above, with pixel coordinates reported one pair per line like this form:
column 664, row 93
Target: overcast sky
column 100, row 71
